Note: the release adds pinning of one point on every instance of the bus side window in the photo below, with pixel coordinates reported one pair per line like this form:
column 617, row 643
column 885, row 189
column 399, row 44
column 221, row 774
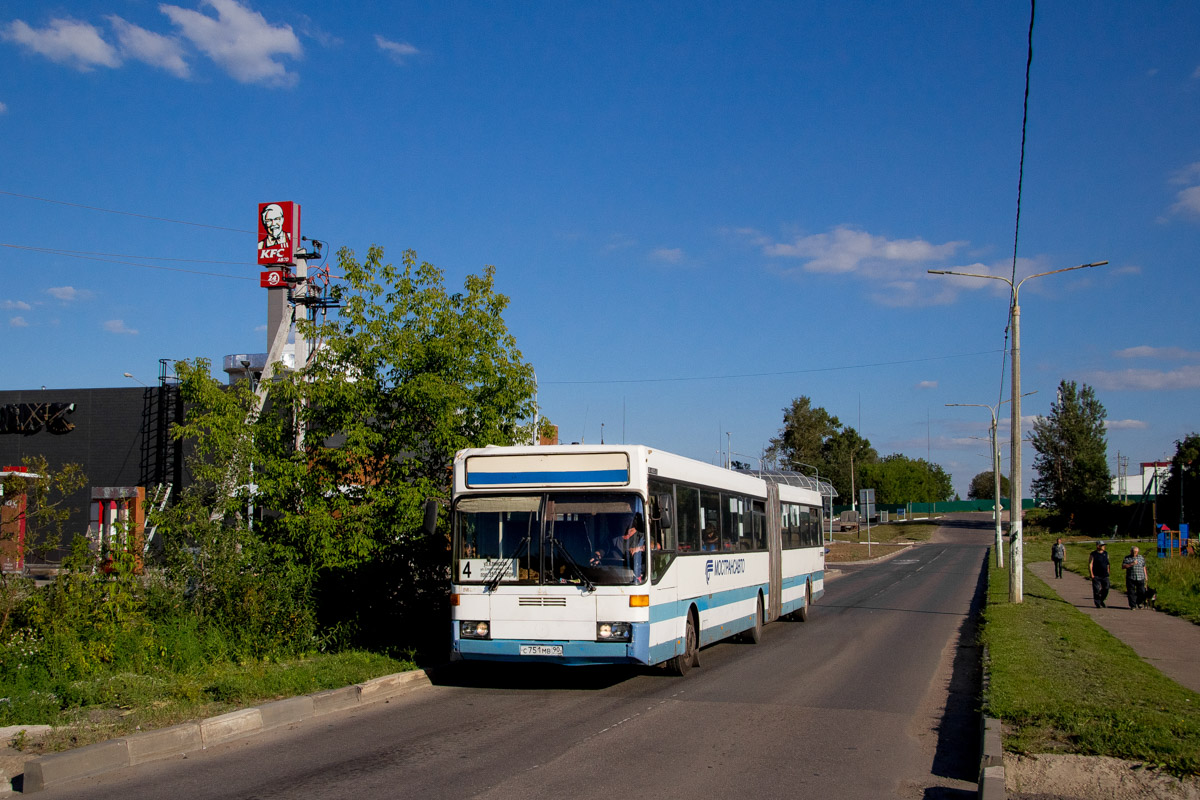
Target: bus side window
column 687, row 518
column 710, row 517
column 758, row 510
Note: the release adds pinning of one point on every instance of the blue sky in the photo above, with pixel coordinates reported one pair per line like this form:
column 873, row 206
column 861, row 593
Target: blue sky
column 700, row 211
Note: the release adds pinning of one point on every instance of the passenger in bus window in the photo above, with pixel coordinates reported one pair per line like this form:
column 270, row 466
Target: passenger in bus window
column 711, row 540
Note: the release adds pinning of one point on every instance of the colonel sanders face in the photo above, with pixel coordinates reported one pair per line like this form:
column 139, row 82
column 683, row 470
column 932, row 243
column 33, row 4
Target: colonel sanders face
column 272, row 218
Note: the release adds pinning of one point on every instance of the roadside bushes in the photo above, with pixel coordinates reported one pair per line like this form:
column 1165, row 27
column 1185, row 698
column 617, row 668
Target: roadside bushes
column 99, row 618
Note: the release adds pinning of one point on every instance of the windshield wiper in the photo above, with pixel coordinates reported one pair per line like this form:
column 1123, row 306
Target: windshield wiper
column 501, row 568
column 578, row 570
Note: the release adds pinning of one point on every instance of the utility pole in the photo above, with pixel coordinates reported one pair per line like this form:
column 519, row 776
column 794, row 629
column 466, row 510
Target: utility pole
column 1016, row 580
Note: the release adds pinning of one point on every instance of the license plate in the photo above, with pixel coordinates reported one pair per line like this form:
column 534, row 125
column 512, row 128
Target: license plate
column 541, row 650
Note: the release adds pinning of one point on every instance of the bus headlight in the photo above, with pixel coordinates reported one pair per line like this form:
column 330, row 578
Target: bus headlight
column 474, row 629
column 614, row 631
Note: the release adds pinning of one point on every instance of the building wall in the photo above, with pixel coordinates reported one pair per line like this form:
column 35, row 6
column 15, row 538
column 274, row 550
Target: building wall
column 120, row 437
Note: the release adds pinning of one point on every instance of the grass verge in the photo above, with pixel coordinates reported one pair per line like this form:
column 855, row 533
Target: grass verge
column 846, row 546
column 118, row 704
column 1063, row 684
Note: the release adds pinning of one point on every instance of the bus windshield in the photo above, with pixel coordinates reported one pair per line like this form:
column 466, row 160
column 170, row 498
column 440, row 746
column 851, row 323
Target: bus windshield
column 578, row 538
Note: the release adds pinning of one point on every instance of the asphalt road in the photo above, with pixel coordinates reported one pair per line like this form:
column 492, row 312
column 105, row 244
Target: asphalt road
column 873, row 697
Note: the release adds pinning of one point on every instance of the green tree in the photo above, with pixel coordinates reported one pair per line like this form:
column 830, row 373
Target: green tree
column 983, row 487
column 1180, row 497
column 900, row 479
column 802, row 438
column 1072, row 462
column 842, row 454
column 405, row 375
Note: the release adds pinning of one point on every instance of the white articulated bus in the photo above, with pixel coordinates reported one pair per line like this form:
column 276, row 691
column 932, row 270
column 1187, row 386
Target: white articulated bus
column 610, row 554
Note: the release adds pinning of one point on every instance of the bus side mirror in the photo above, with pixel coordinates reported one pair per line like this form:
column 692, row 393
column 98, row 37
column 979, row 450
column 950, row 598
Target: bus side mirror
column 663, row 501
column 431, row 515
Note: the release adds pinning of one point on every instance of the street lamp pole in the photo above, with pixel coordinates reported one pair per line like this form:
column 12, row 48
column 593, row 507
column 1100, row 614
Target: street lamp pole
column 995, row 479
column 1016, row 582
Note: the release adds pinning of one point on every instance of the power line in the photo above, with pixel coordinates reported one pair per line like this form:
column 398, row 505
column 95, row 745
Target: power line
column 143, row 266
column 770, row 374
column 64, row 252
column 125, row 213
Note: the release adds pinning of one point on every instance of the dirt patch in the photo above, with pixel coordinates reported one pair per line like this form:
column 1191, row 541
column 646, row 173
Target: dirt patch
column 1059, row 777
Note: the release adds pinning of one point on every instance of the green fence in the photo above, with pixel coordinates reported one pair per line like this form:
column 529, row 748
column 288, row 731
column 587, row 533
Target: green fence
column 948, row 507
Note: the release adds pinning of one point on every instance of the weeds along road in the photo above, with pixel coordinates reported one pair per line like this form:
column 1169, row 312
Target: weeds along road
column 872, row 697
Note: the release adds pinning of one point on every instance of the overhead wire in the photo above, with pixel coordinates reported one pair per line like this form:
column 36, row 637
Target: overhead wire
column 120, row 260
column 1012, row 297
column 125, row 213
column 767, row 374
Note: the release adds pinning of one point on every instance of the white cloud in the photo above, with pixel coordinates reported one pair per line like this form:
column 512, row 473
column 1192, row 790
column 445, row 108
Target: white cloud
column 18, row 322
column 68, row 294
column 165, row 52
column 3, row 108
column 845, row 249
column 17, row 305
column 927, row 385
column 118, row 326
column 894, row 268
column 1187, row 201
column 619, row 241
column 667, row 255
column 65, row 41
column 1146, row 351
column 240, row 41
column 1145, row 379
column 1125, row 425
column 396, row 51
column 1189, row 174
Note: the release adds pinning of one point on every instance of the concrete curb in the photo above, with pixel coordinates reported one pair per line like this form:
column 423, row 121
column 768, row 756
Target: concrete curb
column 991, row 749
column 95, row 759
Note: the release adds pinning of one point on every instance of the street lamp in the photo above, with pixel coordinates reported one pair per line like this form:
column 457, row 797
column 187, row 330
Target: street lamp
column 995, row 470
column 1016, row 589
column 130, row 376
column 995, row 478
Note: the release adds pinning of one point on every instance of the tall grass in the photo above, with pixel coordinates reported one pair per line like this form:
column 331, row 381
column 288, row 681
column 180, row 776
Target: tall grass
column 104, row 648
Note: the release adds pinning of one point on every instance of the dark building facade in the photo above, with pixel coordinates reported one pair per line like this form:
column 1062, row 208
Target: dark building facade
column 120, row 437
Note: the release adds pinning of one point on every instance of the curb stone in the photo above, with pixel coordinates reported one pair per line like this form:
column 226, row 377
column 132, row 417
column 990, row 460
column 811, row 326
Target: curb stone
column 95, row 759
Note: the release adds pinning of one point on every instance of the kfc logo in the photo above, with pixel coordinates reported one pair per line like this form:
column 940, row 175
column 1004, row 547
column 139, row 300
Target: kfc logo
column 278, row 231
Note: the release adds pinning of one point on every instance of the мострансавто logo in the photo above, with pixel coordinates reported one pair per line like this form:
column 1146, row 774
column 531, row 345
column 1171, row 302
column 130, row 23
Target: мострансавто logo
column 723, row 566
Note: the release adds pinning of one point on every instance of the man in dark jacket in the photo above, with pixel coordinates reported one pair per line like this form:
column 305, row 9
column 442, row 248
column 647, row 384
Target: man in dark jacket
column 1098, row 569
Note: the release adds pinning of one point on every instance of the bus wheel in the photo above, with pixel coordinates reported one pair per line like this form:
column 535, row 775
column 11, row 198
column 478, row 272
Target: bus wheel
column 680, row 664
column 802, row 614
column 754, row 635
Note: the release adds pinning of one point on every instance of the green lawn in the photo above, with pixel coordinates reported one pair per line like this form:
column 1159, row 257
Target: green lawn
column 1063, row 684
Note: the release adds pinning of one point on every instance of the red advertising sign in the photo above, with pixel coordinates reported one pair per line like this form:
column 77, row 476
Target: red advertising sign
column 278, row 233
column 12, row 526
column 273, row 279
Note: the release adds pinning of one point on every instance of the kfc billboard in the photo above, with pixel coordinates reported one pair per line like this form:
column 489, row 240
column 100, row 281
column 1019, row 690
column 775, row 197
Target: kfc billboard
column 278, row 233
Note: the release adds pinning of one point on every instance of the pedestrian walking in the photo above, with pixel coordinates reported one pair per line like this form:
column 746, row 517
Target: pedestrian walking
column 1098, row 570
column 1134, row 565
column 1058, row 554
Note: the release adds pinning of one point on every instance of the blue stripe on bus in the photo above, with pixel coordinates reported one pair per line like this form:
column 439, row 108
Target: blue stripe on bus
column 573, row 476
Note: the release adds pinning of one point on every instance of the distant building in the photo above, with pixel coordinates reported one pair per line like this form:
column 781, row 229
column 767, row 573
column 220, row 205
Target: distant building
column 1148, row 484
